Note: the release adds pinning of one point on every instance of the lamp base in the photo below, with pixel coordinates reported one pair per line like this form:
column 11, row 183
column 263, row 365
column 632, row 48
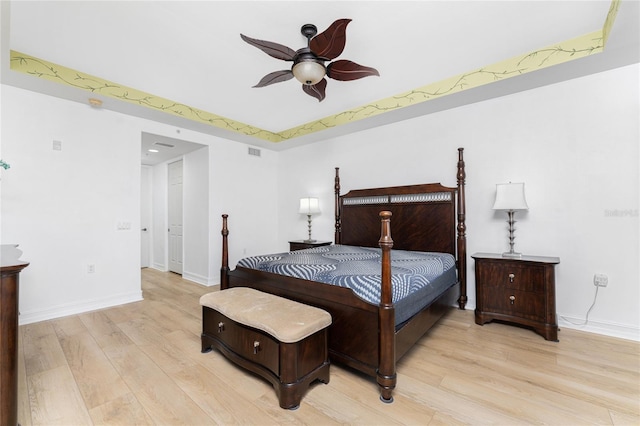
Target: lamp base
column 512, row 255
column 309, row 241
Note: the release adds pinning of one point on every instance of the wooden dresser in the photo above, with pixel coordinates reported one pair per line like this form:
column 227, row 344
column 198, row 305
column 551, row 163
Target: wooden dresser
column 520, row 291
column 10, row 267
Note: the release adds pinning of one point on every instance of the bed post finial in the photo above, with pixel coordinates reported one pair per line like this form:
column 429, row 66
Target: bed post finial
column 338, row 224
column 224, row 270
column 386, row 374
column 462, row 231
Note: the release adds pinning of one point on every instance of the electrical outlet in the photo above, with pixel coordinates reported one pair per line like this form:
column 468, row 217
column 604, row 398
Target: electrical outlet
column 91, row 269
column 600, row 280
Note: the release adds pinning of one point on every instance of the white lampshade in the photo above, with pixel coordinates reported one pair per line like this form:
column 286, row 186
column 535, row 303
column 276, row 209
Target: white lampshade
column 309, row 206
column 510, row 197
column 309, row 72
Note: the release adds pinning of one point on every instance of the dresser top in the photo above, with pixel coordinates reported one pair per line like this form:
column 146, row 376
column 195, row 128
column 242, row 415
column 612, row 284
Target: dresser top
column 10, row 258
column 523, row 258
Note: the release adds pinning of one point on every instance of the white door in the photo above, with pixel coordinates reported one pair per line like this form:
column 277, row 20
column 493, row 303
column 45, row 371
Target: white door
column 145, row 216
column 175, row 217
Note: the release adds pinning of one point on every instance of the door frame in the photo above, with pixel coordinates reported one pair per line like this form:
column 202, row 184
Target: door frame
column 146, row 216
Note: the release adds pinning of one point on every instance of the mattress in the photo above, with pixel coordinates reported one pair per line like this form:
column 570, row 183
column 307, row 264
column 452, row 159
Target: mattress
column 417, row 278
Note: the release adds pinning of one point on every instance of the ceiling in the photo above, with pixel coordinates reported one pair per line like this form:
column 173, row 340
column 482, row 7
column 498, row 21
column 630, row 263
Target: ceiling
column 156, row 149
column 189, row 53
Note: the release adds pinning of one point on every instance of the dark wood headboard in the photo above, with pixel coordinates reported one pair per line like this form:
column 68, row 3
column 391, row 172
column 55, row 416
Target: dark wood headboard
column 427, row 217
column 423, row 217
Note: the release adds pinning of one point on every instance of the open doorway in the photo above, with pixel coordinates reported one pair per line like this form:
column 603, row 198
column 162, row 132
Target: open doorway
column 167, row 242
column 145, row 216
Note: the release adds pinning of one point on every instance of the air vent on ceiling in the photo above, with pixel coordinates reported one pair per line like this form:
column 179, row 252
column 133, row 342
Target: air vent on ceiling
column 167, row 145
column 254, row 151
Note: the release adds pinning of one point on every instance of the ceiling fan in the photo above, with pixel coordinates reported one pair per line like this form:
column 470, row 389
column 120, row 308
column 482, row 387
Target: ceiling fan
column 308, row 62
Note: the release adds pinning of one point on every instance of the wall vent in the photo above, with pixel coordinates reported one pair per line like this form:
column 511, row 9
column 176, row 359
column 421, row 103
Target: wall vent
column 168, row 145
column 254, row 151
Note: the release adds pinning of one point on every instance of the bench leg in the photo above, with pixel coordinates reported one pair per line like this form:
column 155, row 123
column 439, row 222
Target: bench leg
column 206, row 344
column 290, row 394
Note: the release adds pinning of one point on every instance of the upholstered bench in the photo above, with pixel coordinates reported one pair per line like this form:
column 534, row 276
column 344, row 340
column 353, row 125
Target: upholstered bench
column 279, row 339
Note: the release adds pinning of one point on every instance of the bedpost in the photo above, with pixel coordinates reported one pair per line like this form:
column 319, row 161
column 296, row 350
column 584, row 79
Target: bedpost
column 338, row 233
column 386, row 374
column 462, row 232
column 224, row 270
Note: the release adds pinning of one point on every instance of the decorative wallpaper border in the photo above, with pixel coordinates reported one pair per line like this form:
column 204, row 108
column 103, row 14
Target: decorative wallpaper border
column 611, row 17
column 569, row 50
column 57, row 73
column 532, row 61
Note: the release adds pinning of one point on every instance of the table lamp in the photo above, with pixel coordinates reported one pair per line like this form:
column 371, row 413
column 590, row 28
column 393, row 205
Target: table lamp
column 510, row 198
column 309, row 206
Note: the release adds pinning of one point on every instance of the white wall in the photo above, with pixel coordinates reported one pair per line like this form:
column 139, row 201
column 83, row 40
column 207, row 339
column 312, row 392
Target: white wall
column 196, row 217
column 146, row 218
column 160, row 200
column 574, row 144
column 63, row 207
column 244, row 187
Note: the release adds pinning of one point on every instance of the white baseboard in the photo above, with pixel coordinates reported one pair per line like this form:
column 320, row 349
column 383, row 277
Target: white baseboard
column 200, row 279
column 196, row 278
column 30, row 317
column 607, row 329
column 159, row 267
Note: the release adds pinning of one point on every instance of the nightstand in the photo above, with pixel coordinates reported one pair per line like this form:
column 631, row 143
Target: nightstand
column 302, row 244
column 520, row 291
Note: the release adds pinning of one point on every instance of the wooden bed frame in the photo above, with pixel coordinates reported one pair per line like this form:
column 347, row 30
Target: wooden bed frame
column 363, row 336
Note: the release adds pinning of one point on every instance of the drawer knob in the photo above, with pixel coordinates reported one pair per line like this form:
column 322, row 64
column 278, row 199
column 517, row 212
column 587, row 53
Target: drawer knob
column 256, row 347
column 511, row 277
column 220, row 327
column 512, row 298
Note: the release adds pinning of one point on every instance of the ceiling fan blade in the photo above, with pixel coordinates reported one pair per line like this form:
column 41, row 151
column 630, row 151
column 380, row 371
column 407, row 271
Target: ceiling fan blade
column 317, row 90
column 275, row 77
column 275, row 50
column 344, row 70
column 330, row 43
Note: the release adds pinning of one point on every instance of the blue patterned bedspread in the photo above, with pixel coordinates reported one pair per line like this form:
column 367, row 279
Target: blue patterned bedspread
column 417, row 278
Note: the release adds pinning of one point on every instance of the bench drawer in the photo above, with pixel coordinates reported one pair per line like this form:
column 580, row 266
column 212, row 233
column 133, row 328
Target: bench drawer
column 290, row 367
column 254, row 345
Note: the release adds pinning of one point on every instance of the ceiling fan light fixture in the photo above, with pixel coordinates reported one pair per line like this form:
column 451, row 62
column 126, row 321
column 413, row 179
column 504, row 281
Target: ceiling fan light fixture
column 309, row 71
column 309, row 62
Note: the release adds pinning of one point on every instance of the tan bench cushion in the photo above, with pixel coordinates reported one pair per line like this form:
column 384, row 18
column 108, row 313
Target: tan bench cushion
column 286, row 320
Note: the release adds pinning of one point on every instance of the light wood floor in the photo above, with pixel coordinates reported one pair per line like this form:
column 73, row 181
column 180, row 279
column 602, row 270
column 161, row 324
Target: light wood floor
column 140, row 363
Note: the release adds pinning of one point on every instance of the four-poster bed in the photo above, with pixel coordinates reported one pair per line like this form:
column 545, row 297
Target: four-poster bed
column 369, row 336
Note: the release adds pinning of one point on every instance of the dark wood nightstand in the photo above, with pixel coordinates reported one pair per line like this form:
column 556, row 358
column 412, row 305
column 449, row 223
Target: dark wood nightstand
column 302, row 244
column 518, row 290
